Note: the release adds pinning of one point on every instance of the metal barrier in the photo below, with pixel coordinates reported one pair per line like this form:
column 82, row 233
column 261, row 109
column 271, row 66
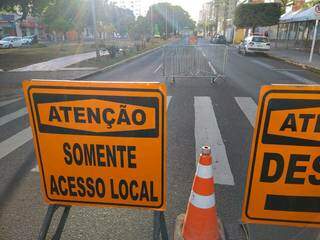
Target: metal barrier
column 196, row 61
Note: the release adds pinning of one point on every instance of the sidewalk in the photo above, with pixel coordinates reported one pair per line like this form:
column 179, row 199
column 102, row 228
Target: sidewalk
column 296, row 57
column 57, row 63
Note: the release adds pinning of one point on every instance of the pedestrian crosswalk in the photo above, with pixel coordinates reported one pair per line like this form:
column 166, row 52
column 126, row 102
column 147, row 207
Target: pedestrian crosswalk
column 12, row 143
column 248, row 107
column 12, row 116
column 7, row 102
column 206, row 132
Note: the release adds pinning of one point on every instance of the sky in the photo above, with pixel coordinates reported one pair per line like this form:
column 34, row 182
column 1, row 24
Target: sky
column 191, row 6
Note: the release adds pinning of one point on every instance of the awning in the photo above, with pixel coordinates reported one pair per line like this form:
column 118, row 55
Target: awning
column 299, row 16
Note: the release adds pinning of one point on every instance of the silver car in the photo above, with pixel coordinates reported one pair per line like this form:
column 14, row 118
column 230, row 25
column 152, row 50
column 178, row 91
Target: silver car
column 11, row 42
column 254, row 44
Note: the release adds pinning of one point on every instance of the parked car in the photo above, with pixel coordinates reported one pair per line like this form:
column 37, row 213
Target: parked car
column 29, row 40
column 254, row 44
column 218, row 39
column 26, row 41
column 11, row 42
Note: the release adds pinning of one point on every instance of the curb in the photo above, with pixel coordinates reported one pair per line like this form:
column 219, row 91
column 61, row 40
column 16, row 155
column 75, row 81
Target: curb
column 302, row 65
column 179, row 224
column 117, row 64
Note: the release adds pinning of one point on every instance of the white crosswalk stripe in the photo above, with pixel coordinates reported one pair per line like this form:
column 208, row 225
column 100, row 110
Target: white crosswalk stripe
column 12, row 143
column 248, row 107
column 168, row 101
column 207, row 133
column 7, row 102
column 12, row 116
column 35, row 169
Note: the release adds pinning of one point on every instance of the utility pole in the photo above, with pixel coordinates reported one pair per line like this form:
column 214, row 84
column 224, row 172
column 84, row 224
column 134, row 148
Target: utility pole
column 94, row 19
column 166, row 22
column 151, row 19
column 173, row 26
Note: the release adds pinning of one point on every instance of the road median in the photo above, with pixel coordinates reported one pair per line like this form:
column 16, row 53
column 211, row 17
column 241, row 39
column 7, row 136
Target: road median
column 117, row 64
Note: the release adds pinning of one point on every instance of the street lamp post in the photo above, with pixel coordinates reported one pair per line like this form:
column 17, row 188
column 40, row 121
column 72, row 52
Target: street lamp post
column 94, row 19
column 166, row 22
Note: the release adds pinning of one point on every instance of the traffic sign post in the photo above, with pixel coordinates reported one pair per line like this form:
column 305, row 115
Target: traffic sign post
column 99, row 143
column 284, row 170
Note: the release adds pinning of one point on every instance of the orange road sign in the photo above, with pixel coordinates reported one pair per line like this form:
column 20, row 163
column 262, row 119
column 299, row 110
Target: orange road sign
column 100, row 143
column 284, row 170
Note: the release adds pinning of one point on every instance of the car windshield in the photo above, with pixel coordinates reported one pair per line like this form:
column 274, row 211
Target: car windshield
column 260, row 39
column 8, row 38
column 206, row 113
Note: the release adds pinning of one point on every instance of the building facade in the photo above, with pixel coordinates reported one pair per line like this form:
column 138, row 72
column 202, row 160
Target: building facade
column 296, row 28
column 134, row 5
column 10, row 25
column 217, row 17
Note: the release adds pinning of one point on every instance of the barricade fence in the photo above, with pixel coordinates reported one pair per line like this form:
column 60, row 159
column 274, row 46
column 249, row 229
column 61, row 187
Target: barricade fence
column 196, row 61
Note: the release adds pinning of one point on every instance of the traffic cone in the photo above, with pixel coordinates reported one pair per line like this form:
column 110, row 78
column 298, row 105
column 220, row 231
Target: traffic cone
column 201, row 221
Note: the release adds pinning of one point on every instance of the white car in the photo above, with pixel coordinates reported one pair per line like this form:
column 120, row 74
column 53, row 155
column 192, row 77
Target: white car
column 254, row 44
column 26, row 40
column 11, row 42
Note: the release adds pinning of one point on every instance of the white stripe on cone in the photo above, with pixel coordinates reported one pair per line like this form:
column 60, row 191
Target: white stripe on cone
column 204, row 171
column 203, row 202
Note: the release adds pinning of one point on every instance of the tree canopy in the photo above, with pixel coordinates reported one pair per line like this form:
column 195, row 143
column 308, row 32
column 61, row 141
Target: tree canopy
column 175, row 17
column 76, row 14
column 26, row 7
column 62, row 16
column 140, row 29
column 257, row 15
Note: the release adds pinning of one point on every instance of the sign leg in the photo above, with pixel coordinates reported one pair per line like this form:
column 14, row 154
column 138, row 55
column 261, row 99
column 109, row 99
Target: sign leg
column 62, row 222
column 156, row 225
column 163, row 227
column 47, row 221
column 159, row 226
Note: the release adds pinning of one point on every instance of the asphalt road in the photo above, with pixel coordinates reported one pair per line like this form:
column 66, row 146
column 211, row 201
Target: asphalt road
column 221, row 115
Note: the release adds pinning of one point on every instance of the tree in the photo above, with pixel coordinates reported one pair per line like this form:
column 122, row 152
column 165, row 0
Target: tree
column 73, row 15
column 141, row 29
column 311, row 3
column 252, row 15
column 284, row 4
column 165, row 14
column 120, row 18
column 26, row 7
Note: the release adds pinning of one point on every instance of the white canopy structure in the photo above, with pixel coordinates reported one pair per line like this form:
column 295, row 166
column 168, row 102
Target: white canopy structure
column 299, row 16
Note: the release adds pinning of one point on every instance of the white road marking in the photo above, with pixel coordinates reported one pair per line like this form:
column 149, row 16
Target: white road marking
column 212, row 68
column 12, row 143
column 158, row 68
column 248, row 107
column 263, row 64
column 35, row 169
column 285, row 72
column 297, row 77
column 289, row 69
column 7, row 102
column 12, row 116
column 207, row 133
column 209, row 62
column 168, row 101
